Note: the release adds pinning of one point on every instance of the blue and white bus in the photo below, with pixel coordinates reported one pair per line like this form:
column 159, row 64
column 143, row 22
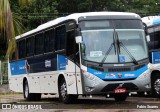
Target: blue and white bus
column 94, row 53
column 153, row 28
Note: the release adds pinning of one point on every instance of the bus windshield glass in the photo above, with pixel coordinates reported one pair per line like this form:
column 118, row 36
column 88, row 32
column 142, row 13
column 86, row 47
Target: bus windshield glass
column 100, row 41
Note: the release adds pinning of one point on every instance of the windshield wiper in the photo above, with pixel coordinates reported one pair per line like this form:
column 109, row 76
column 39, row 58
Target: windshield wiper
column 119, row 44
column 109, row 50
column 107, row 53
column 130, row 55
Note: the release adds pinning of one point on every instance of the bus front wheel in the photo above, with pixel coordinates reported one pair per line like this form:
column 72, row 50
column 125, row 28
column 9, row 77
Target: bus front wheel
column 120, row 97
column 155, row 84
column 63, row 95
column 30, row 96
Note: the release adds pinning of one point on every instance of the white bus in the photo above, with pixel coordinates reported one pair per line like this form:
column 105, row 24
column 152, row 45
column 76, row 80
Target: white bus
column 94, row 53
column 153, row 28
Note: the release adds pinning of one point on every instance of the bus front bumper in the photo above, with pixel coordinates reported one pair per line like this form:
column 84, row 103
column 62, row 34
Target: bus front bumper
column 95, row 85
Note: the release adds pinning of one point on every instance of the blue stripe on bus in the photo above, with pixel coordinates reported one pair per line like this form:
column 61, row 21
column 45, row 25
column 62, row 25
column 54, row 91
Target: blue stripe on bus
column 39, row 64
column 62, row 62
column 18, row 67
column 114, row 75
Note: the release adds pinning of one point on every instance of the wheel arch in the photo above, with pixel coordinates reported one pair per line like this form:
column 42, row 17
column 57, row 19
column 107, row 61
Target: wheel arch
column 24, row 79
column 60, row 77
column 153, row 73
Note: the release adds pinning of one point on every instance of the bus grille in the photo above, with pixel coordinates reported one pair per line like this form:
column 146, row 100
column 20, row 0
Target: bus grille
column 96, row 68
column 139, row 66
column 125, row 69
column 118, row 69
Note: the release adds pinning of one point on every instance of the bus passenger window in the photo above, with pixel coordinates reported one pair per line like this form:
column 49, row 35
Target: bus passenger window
column 30, row 46
column 60, row 38
column 22, row 49
column 49, row 40
column 70, row 43
column 39, row 44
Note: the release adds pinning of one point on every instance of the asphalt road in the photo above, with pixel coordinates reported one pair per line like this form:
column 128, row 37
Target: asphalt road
column 142, row 104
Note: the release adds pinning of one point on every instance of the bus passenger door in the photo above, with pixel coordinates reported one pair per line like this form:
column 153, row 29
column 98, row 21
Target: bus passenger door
column 71, row 65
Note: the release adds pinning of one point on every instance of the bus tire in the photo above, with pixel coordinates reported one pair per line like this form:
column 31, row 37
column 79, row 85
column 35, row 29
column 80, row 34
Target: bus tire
column 120, row 97
column 63, row 96
column 155, row 85
column 30, row 96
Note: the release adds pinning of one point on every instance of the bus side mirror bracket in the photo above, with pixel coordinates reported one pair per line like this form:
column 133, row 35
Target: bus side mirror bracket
column 78, row 39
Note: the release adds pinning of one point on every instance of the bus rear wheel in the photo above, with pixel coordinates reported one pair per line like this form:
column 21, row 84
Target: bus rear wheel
column 63, row 95
column 120, row 97
column 30, row 96
column 155, row 84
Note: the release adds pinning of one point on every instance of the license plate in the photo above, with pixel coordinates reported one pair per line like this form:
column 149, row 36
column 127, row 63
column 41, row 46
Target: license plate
column 120, row 90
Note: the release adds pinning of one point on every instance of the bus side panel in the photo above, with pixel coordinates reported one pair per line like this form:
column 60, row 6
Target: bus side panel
column 79, row 80
column 34, row 82
column 15, row 84
column 72, row 75
column 70, row 78
column 16, row 72
column 42, row 73
column 48, row 82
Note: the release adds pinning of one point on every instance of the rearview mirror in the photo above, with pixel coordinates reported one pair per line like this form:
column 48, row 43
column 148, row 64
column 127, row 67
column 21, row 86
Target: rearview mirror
column 79, row 39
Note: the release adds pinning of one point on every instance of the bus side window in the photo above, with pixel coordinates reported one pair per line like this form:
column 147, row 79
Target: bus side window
column 60, row 38
column 70, row 43
column 22, row 49
column 30, row 46
column 39, row 44
column 49, row 40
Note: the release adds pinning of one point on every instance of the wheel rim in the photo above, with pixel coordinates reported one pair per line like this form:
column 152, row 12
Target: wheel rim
column 26, row 90
column 63, row 90
column 157, row 86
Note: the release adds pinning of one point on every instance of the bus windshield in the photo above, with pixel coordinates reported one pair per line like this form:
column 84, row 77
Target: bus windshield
column 99, row 44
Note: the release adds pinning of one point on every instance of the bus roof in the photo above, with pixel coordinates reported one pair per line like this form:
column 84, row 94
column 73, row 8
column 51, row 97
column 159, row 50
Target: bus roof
column 74, row 16
column 151, row 20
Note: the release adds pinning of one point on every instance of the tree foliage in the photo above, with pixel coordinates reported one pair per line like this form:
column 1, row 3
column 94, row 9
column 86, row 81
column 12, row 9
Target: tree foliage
column 9, row 27
column 138, row 6
column 28, row 14
column 36, row 13
column 6, row 26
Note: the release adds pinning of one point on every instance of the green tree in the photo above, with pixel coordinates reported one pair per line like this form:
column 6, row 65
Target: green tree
column 68, row 6
column 8, row 25
column 37, row 13
column 71, row 6
column 144, row 7
column 138, row 6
